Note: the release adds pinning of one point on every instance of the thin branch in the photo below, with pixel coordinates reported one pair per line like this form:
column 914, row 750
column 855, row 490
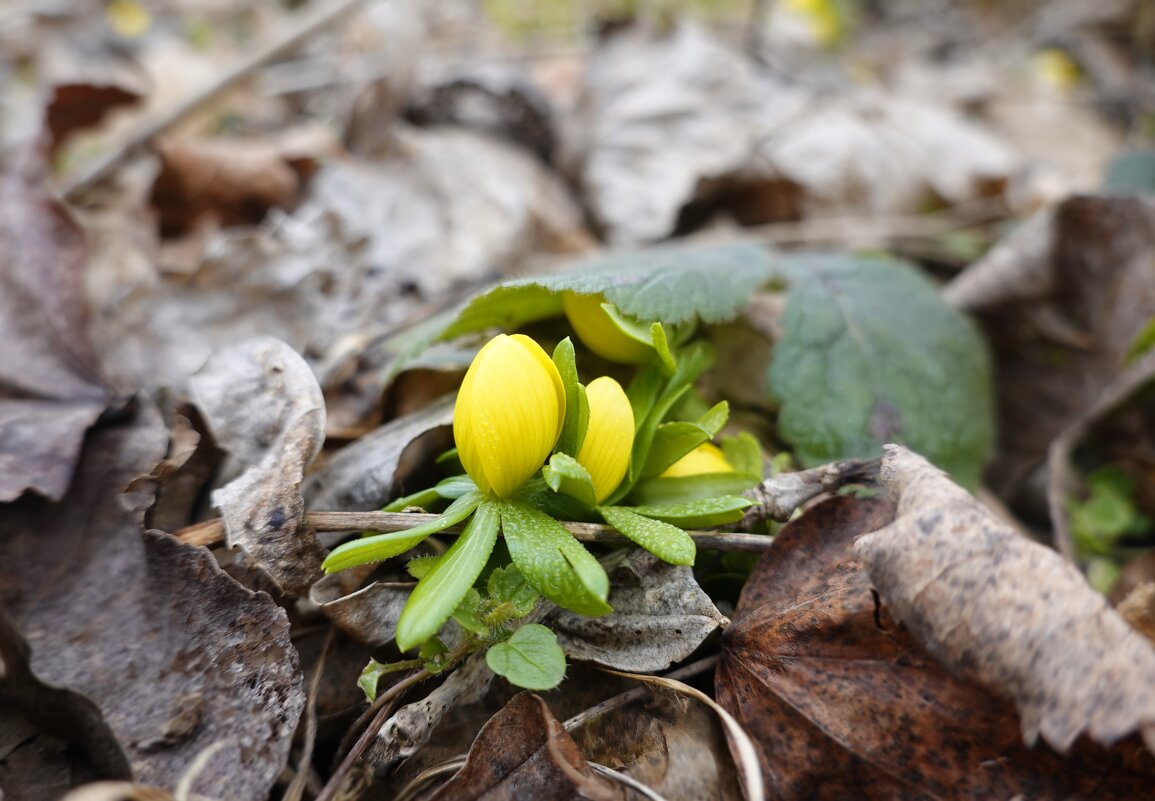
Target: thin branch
column 211, row 532
column 305, row 28
column 778, row 496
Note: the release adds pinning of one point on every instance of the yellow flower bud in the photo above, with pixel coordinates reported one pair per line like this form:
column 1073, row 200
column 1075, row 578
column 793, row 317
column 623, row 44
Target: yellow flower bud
column 605, row 452
column 508, row 414
column 601, row 334
column 706, row 458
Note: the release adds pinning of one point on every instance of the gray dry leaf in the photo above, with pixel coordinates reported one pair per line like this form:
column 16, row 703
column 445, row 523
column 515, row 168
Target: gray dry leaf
column 264, row 406
column 1062, row 300
column 660, row 617
column 51, row 390
column 176, row 654
column 1012, row 615
column 361, row 477
column 673, row 120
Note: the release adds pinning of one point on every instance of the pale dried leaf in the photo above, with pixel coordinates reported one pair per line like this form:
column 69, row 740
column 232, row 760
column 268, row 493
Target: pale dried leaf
column 51, row 389
column 264, row 406
column 361, row 476
column 176, row 654
column 1006, row 612
column 368, row 615
column 660, row 617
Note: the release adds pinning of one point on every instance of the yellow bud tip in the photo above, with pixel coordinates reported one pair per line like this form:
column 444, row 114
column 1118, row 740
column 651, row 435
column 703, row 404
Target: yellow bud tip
column 605, row 452
column 706, row 458
column 598, row 332
column 508, row 414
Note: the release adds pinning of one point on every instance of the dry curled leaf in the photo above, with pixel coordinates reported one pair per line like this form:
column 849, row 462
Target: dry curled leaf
column 175, row 653
column 1062, row 300
column 842, row 703
column 523, row 752
column 264, row 406
column 51, row 389
column 660, row 617
column 368, row 615
column 1007, row 612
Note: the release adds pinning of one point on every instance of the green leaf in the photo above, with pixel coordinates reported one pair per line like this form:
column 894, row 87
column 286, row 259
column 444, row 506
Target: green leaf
column 643, row 393
column 661, row 344
column 371, row 674
column 664, row 491
column 701, row 513
column 577, row 406
column 668, row 543
column 871, row 354
column 743, row 453
column 437, row 595
column 530, row 658
column 673, row 284
column 419, row 566
column 568, row 476
column 557, row 565
column 672, row 441
column 508, row 585
column 466, row 614
column 380, row 547
column 450, row 489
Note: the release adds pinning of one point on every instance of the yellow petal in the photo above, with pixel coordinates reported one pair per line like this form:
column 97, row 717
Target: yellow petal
column 599, row 333
column 605, row 452
column 706, row 458
column 508, row 413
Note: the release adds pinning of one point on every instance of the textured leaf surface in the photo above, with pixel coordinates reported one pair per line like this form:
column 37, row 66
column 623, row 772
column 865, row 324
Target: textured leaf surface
column 665, row 541
column 530, row 658
column 870, row 354
column 670, row 284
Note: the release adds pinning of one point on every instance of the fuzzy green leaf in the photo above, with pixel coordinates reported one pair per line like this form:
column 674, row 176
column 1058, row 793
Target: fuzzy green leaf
column 672, row 284
column 668, row 543
column 871, row 354
column 530, row 658
column 380, row 547
column 553, row 562
column 508, row 585
column 437, row 595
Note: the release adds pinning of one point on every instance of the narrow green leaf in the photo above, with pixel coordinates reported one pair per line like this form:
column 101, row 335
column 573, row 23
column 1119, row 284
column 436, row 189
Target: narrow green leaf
column 668, row 543
column 557, row 565
column 661, row 344
column 665, row 491
column 437, row 595
column 701, row 513
column 577, row 406
column 508, row 585
column 568, row 476
column 450, row 489
column 530, row 658
column 743, row 453
column 380, row 547
column 643, row 393
column 371, row 674
column 672, row 441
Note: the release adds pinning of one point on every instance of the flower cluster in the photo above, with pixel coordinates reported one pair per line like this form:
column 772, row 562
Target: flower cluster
column 537, row 445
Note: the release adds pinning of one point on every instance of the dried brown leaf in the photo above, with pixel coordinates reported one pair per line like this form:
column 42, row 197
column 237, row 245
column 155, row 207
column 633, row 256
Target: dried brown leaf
column 523, row 752
column 176, row 654
column 1008, row 613
column 368, row 615
column 845, row 704
column 264, row 406
column 51, row 389
column 1062, row 300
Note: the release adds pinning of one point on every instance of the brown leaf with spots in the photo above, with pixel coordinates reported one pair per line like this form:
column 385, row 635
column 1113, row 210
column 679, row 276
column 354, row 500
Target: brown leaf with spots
column 843, row 703
column 1006, row 612
column 264, row 406
column 523, row 752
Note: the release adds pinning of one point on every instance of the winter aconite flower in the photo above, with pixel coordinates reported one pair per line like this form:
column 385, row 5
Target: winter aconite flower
column 605, row 452
column 601, row 333
column 706, row 458
column 508, row 414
